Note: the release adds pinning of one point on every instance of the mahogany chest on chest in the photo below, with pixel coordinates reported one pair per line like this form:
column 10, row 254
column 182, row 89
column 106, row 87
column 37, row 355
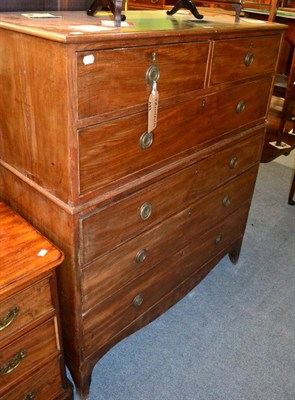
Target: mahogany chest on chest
column 142, row 216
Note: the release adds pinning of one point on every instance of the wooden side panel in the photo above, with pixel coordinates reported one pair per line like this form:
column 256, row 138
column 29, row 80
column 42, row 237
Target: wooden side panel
column 15, row 140
column 36, row 133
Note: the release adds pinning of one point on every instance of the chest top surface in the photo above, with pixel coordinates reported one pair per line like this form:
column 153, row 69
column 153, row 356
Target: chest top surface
column 78, row 27
column 24, row 252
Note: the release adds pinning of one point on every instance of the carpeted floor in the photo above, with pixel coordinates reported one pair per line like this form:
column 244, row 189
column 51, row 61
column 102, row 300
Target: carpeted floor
column 233, row 336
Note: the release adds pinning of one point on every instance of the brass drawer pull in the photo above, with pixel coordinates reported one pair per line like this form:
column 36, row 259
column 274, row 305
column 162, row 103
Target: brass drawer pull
column 226, row 201
column 141, row 256
column 145, row 211
column 218, row 239
column 233, row 162
column 9, row 318
column 137, row 301
column 240, row 106
column 13, row 364
column 146, row 140
column 249, row 58
column 154, row 1
column 29, row 396
column 152, row 74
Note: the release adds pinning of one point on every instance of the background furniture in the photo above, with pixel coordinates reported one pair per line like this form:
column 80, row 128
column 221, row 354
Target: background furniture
column 282, row 107
column 291, row 199
column 43, row 5
column 31, row 359
column 141, row 215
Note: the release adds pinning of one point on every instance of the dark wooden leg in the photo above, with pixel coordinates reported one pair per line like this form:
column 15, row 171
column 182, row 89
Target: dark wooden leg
column 237, row 8
column 82, row 379
column 292, row 191
column 189, row 5
column 115, row 6
column 234, row 252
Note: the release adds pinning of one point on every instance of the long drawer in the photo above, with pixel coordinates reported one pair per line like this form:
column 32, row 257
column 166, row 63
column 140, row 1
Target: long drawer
column 105, row 87
column 241, row 58
column 135, row 152
column 108, row 227
column 44, row 384
column 118, row 311
column 116, row 269
column 24, row 308
column 23, row 355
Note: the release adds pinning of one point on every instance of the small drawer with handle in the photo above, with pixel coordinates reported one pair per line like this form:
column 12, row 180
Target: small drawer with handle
column 25, row 308
column 104, row 87
column 237, row 59
column 44, row 384
column 23, row 355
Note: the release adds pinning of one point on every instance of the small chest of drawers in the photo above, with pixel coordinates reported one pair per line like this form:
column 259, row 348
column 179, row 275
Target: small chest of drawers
column 31, row 360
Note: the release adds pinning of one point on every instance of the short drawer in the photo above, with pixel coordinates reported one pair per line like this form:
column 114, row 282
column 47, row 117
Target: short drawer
column 45, row 384
column 23, row 355
column 241, row 58
column 105, row 87
column 117, row 312
column 116, row 269
column 111, row 226
column 185, row 127
column 25, row 308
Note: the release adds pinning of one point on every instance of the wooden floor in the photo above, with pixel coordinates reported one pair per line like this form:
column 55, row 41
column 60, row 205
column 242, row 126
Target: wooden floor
column 270, row 152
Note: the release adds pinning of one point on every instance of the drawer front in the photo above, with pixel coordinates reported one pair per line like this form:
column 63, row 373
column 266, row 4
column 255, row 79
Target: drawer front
column 25, row 308
column 241, row 58
column 200, row 120
column 111, row 226
column 45, row 384
column 111, row 316
column 26, row 353
column 104, row 87
column 116, row 269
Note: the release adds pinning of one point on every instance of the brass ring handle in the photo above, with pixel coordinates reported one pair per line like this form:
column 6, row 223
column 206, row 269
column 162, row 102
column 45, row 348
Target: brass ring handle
column 152, row 74
column 9, row 318
column 154, row 1
column 233, row 162
column 145, row 211
column 29, row 396
column 249, row 58
column 141, row 256
column 13, row 364
column 137, row 301
column 218, row 239
column 226, row 201
column 146, row 140
column 240, row 106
